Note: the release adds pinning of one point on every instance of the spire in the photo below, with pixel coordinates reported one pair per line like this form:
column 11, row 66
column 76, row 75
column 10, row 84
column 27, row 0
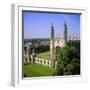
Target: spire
column 65, row 25
column 65, row 32
column 52, row 27
column 52, row 31
column 52, row 47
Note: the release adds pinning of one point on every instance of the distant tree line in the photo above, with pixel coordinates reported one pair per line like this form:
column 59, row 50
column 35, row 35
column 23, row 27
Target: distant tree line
column 38, row 49
column 38, row 40
column 38, row 45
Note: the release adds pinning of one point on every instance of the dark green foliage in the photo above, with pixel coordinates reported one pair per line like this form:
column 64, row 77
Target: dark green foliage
column 39, row 45
column 42, row 48
column 67, row 61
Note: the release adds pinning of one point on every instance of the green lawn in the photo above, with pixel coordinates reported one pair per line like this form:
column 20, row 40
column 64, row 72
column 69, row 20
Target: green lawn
column 34, row 70
column 44, row 55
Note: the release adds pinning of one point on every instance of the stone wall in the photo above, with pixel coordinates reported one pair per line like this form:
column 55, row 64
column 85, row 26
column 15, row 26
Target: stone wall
column 43, row 62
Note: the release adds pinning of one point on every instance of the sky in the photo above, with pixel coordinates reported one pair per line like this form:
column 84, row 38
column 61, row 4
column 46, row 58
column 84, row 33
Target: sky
column 38, row 24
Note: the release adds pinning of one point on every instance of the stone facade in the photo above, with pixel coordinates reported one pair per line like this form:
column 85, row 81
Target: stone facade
column 60, row 42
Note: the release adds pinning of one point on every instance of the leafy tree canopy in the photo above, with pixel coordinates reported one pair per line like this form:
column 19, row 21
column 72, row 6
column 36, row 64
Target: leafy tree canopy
column 67, row 61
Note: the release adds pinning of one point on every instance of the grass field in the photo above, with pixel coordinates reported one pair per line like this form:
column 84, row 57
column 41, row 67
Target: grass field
column 44, row 55
column 36, row 70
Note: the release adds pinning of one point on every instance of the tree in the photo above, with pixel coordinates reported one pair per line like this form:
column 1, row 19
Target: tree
column 67, row 61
